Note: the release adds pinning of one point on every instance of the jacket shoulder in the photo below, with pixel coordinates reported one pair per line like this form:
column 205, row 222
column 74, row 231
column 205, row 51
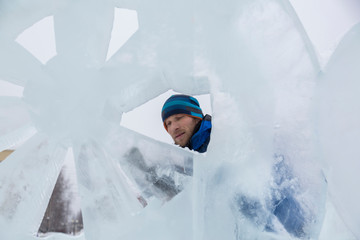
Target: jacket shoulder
column 207, row 117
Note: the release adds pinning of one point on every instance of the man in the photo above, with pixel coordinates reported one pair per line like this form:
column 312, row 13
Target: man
column 184, row 120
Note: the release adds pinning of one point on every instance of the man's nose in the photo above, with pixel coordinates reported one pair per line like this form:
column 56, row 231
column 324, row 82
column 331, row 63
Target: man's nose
column 175, row 126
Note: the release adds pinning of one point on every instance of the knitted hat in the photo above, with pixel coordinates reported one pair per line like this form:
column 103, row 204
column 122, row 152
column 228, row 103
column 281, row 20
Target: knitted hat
column 181, row 104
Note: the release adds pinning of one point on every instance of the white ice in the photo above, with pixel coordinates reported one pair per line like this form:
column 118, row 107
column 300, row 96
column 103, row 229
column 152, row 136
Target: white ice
column 282, row 161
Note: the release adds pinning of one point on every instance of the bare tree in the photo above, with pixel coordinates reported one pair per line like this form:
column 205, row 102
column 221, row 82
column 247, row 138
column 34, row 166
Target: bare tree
column 59, row 217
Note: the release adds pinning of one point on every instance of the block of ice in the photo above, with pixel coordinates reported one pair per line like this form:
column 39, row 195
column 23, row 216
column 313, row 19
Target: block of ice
column 337, row 119
column 15, row 123
column 261, row 177
column 263, row 105
column 123, row 173
column 74, row 100
column 24, row 195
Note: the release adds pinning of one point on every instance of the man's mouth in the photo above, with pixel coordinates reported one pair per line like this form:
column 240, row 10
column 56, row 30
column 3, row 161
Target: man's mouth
column 179, row 135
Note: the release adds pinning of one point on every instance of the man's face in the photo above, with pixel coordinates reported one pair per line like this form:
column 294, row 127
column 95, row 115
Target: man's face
column 181, row 127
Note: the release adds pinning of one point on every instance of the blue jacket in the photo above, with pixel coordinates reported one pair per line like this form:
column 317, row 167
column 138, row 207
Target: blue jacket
column 201, row 138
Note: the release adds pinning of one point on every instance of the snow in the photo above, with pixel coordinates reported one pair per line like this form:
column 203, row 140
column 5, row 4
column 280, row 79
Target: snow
column 282, row 161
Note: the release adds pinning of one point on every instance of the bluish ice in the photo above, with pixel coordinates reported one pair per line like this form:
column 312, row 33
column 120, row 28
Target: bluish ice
column 283, row 158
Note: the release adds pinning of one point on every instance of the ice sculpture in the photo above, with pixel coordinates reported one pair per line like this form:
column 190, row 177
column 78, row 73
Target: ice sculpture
column 262, row 175
column 266, row 118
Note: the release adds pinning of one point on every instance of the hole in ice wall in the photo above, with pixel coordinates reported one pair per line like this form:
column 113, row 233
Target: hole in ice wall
column 4, row 154
column 146, row 119
column 124, row 26
column 63, row 214
column 10, row 89
column 39, row 39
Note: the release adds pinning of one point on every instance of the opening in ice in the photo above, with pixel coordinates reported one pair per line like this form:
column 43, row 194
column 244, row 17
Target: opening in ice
column 146, row 118
column 124, row 26
column 63, row 213
column 39, row 39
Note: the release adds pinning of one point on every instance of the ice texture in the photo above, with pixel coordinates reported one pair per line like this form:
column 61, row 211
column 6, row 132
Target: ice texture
column 338, row 116
column 282, row 161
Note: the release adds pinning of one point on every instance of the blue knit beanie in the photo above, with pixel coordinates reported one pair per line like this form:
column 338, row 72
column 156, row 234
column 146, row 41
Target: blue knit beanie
column 181, row 104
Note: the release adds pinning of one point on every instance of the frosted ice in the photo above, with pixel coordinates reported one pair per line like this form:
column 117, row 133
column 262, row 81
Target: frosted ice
column 338, row 115
column 272, row 169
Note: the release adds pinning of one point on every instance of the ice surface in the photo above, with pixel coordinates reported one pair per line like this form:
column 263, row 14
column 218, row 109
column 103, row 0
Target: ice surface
column 24, row 195
column 266, row 117
column 272, row 169
column 15, row 122
column 338, row 116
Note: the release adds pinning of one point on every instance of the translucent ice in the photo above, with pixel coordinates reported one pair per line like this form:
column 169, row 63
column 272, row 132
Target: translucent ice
column 263, row 104
column 25, row 195
column 262, row 177
column 338, row 117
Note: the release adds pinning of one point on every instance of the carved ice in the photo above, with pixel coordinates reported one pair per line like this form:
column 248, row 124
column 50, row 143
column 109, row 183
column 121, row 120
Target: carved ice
column 262, row 177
